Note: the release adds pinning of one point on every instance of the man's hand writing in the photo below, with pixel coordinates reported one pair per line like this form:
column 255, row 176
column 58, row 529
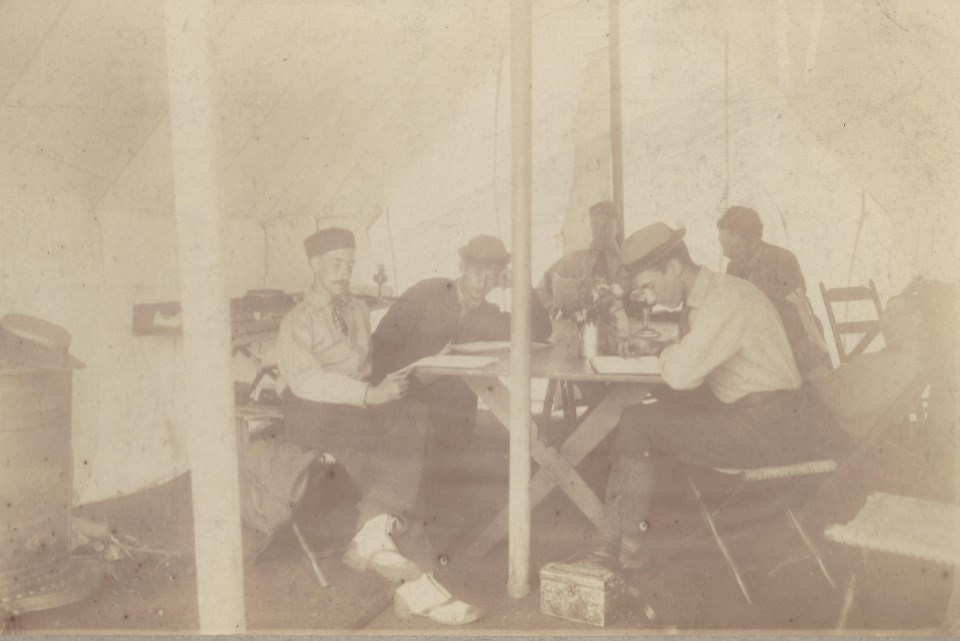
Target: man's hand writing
column 635, row 346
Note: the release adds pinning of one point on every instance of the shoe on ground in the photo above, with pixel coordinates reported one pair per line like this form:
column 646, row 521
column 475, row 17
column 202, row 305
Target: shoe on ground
column 427, row 598
column 373, row 549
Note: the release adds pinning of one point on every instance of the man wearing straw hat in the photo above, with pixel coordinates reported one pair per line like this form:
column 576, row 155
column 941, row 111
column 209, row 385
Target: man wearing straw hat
column 734, row 397
column 323, row 353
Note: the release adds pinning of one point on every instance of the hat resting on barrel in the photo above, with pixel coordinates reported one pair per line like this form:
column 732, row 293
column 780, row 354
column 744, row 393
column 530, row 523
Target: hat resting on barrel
column 646, row 247
column 328, row 240
column 27, row 340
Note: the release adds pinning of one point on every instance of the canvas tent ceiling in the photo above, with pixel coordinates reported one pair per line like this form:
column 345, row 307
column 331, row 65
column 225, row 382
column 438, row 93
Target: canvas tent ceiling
column 395, row 115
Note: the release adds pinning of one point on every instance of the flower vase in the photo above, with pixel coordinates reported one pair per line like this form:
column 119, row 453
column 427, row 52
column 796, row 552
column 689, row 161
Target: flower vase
column 589, row 340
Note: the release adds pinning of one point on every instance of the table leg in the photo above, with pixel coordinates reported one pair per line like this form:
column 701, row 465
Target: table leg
column 557, row 469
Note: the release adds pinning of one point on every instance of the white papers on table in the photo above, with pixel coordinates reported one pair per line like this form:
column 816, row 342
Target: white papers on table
column 454, row 361
column 459, row 361
column 621, row 365
column 490, row 347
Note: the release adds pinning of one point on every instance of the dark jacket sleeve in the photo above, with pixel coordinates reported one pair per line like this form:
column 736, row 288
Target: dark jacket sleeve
column 489, row 323
column 391, row 339
column 788, row 273
column 418, row 324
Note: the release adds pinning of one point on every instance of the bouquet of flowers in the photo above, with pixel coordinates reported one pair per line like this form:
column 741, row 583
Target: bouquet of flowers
column 594, row 301
column 595, row 306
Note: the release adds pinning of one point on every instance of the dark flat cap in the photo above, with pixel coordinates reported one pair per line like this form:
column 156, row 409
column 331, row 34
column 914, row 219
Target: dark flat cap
column 327, row 240
column 486, row 251
column 647, row 246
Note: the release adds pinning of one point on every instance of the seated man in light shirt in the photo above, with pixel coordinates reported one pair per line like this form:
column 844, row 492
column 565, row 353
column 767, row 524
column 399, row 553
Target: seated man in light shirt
column 734, row 398
column 323, row 353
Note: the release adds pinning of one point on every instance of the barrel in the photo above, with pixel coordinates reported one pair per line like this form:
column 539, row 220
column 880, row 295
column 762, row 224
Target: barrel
column 36, row 490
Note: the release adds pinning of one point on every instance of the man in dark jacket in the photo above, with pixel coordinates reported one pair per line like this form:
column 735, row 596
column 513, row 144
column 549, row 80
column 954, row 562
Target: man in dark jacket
column 776, row 272
column 438, row 311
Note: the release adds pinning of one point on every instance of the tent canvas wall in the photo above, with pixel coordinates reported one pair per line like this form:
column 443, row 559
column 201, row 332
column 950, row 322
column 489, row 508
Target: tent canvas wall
column 835, row 121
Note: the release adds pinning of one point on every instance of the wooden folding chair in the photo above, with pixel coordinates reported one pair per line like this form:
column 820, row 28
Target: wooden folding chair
column 867, row 329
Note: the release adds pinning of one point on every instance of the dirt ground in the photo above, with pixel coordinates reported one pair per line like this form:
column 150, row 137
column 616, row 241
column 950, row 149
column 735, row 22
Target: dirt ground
column 688, row 586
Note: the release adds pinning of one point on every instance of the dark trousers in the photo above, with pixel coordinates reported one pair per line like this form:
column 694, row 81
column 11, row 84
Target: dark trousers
column 453, row 414
column 380, row 447
column 697, row 429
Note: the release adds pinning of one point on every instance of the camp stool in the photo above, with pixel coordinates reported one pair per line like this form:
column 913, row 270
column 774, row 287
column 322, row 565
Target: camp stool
column 768, row 476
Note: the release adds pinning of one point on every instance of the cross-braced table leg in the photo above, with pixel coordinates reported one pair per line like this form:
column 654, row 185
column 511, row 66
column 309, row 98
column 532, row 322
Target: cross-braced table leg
column 557, row 468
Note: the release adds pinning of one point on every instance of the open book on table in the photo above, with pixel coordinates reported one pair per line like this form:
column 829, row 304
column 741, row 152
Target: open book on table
column 447, row 360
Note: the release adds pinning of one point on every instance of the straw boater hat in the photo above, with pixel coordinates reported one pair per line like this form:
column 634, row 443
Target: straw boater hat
column 647, row 246
column 26, row 340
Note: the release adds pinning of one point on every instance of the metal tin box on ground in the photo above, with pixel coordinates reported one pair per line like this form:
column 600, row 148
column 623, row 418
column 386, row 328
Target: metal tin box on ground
column 580, row 592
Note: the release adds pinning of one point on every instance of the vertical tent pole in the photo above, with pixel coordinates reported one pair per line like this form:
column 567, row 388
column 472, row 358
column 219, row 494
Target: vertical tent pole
column 616, row 113
column 521, row 114
column 952, row 618
column 210, row 428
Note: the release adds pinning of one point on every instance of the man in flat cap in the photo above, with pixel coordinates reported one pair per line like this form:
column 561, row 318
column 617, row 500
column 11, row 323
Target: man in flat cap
column 601, row 260
column 776, row 272
column 438, row 311
column 323, row 353
column 734, row 397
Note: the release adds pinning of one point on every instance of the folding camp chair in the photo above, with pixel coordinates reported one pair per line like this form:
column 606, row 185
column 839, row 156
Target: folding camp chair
column 774, row 481
column 866, row 328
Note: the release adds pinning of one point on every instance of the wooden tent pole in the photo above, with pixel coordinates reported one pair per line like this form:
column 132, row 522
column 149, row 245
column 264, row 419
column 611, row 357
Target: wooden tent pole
column 211, row 435
column 521, row 114
column 616, row 113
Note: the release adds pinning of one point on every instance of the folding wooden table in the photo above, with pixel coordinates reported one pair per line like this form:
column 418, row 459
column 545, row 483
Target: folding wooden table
column 557, row 466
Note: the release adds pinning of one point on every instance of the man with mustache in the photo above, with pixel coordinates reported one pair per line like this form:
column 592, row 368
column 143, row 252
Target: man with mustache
column 379, row 437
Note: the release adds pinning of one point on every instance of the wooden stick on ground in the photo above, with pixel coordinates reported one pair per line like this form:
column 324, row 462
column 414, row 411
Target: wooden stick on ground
column 321, row 578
